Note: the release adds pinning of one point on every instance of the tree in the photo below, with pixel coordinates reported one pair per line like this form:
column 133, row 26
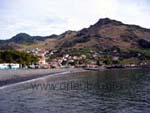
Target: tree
column 12, row 56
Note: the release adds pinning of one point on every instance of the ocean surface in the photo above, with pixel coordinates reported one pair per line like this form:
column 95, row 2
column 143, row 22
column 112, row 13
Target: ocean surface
column 108, row 91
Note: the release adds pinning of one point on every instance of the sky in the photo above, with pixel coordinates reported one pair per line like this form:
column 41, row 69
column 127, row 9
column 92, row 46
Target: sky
column 46, row 17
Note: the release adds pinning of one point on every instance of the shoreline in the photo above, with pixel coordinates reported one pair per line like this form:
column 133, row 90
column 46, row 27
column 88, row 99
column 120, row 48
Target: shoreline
column 32, row 77
column 112, row 68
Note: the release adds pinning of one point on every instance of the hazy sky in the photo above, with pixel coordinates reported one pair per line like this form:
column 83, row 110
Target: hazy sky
column 45, row 17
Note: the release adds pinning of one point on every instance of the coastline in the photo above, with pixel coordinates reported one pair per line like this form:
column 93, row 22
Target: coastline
column 10, row 78
column 23, row 76
column 117, row 67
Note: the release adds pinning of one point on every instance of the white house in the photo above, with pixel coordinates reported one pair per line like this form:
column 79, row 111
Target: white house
column 9, row 66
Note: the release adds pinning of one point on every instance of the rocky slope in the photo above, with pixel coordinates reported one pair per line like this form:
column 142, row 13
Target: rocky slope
column 105, row 34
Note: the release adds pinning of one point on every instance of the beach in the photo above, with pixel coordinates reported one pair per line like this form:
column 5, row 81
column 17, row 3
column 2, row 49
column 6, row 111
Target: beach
column 8, row 77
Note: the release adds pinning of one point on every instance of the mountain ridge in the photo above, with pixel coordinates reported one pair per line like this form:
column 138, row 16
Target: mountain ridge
column 104, row 34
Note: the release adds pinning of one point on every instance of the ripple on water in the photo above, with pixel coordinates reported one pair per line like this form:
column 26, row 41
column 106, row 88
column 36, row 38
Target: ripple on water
column 132, row 97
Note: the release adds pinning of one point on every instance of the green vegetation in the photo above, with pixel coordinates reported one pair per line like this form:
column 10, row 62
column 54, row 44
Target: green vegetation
column 13, row 56
column 130, row 61
column 141, row 54
column 107, row 60
column 111, row 56
column 79, row 52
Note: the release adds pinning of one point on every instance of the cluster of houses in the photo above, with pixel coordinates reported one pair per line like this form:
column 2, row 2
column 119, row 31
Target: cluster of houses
column 40, row 53
column 65, row 60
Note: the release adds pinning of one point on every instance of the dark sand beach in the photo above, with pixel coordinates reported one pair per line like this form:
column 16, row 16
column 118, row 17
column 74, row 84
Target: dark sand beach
column 8, row 77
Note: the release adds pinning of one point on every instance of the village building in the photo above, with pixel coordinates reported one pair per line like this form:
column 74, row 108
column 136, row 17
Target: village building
column 9, row 66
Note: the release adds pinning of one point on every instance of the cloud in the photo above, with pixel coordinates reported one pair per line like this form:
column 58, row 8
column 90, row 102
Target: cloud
column 45, row 17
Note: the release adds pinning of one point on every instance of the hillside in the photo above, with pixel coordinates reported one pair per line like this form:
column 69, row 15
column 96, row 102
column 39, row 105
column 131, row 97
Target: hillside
column 23, row 40
column 105, row 34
